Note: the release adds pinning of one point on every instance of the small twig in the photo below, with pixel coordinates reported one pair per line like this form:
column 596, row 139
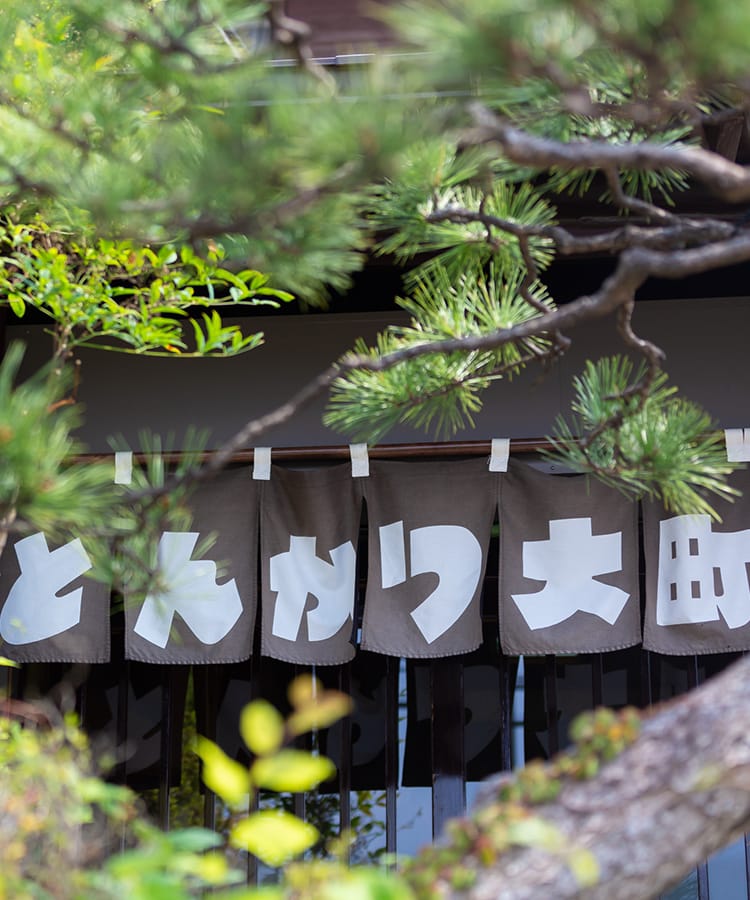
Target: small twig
column 560, row 343
column 641, row 389
column 295, row 35
column 634, row 204
column 654, row 355
column 58, row 128
column 72, row 398
column 170, row 43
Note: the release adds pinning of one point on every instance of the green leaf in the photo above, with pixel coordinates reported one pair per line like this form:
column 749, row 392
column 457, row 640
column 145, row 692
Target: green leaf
column 261, row 727
column 326, row 710
column 209, row 867
column 222, row 775
column 17, row 304
column 274, row 836
column 266, row 892
column 194, row 840
column 364, row 883
column 304, row 689
column 292, row 770
column 535, row 832
column 314, row 706
column 200, row 341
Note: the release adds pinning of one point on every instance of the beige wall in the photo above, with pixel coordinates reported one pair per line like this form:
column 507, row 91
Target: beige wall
column 706, row 351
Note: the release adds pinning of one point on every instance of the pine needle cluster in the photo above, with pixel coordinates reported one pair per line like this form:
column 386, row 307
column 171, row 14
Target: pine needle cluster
column 440, row 391
column 657, row 444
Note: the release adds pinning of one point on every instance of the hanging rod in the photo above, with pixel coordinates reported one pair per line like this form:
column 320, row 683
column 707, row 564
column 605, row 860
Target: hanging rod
column 341, row 451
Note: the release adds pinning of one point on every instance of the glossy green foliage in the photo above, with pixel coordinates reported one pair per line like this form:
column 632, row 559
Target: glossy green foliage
column 61, row 829
column 117, row 296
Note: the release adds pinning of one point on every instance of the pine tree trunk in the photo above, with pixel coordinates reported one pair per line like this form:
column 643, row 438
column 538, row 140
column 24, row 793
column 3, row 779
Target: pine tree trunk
column 678, row 793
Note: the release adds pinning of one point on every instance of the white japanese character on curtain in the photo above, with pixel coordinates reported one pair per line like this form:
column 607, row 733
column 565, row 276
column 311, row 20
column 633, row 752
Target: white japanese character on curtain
column 451, row 552
column 298, row 572
column 188, row 587
column 35, row 609
column 569, row 562
column 702, row 573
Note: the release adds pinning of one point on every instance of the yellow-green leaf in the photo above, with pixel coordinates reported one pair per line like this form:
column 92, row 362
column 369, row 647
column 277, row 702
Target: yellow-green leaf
column 536, row 832
column 324, row 710
column 4, row 661
column 224, row 776
column 365, row 883
column 584, row 866
column 292, row 770
column 17, row 304
column 266, row 892
column 303, row 690
column 210, row 867
column 274, row 836
column 314, row 706
column 261, row 727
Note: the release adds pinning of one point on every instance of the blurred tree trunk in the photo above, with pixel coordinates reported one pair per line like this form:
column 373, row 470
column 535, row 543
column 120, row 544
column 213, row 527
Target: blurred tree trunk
column 673, row 797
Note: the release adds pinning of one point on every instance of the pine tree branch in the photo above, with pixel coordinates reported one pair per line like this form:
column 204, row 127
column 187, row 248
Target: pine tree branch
column 634, row 267
column 683, row 232
column 22, row 185
column 726, row 179
column 170, row 43
column 59, row 128
column 641, row 388
column 560, row 342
